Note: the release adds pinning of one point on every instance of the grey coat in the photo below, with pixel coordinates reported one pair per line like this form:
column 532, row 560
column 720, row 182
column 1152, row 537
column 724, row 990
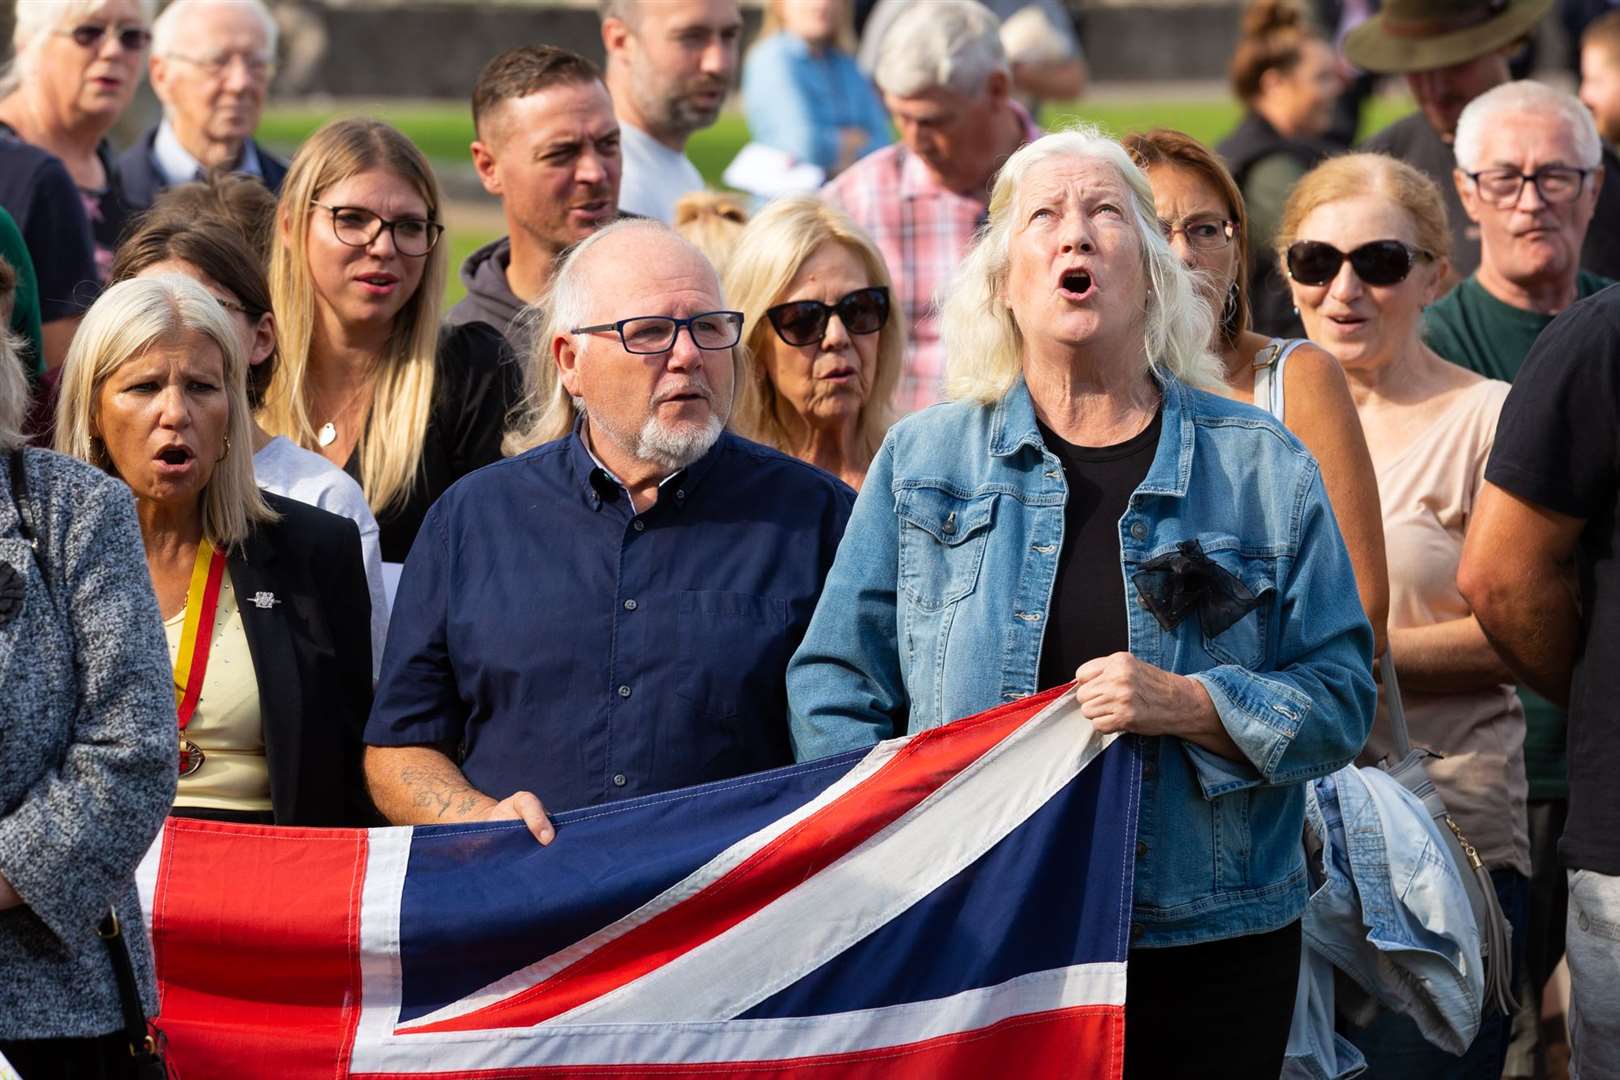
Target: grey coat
column 87, row 748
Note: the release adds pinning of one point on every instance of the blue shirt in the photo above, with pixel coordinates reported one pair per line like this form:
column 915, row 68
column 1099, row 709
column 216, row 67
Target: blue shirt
column 937, row 605
column 582, row 651
column 796, row 100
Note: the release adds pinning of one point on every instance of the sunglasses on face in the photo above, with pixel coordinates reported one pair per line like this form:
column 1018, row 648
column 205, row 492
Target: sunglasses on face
column 1381, row 262
column 88, row 36
column 804, row 322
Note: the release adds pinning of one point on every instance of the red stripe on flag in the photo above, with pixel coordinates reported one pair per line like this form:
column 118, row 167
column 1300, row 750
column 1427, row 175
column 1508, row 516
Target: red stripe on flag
column 256, row 933
column 920, row 768
column 1083, row 1043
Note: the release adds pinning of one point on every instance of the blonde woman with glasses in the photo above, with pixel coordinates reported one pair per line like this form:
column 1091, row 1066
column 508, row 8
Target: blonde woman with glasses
column 367, row 378
column 825, row 340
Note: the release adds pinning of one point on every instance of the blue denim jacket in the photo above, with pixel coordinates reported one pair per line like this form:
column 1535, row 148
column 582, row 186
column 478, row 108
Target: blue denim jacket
column 935, row 610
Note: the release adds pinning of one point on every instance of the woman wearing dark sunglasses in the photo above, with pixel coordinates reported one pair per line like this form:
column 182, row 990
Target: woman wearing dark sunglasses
column 824, row 338
column 1365, row 241
column 77, row 64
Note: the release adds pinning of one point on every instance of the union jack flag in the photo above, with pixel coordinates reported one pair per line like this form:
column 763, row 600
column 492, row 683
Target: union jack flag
column 953, row 904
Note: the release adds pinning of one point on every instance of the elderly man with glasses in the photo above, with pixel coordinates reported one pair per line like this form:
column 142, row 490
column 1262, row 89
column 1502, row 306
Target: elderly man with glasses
column 609, row 614
column 211, row 66
column 1529, row 172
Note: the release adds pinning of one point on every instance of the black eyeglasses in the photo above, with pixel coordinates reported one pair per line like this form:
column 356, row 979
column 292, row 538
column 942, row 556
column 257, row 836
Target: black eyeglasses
column 1554, row 183
column 804, row 322
column 358, row 227
column 647, row 335
column 1381, row 262
column 88, row 36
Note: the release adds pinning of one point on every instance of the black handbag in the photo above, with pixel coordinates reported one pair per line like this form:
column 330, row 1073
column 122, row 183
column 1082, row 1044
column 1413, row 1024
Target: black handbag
column 146, row 1046
column 1405, row 765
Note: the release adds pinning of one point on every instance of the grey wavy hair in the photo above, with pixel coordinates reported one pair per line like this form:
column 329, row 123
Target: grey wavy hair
column 548, row 411
column 35, row 19
column 171, row 22
column 954, row 44
column 1526, row 96
column 984, row 348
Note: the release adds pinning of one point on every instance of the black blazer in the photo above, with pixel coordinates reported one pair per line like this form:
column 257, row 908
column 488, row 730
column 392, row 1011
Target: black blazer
column 140, row 181
column 306, row 612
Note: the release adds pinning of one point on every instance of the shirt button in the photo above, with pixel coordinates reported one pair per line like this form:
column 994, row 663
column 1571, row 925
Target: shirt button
column 1141, row 850
column 680, row 493
column 624, row 691
column 1139, row 531
column 1137, row 930
column 619, row 779
column 629, row 605
column 639, row 525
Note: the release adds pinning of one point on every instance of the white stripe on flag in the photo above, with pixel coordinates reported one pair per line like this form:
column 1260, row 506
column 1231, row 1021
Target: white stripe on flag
column 387, row 853
column 744, row 1040
column 146, row 877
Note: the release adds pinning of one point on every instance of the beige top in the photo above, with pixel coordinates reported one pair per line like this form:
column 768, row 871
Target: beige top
column 235, row 774
column 1428, row 494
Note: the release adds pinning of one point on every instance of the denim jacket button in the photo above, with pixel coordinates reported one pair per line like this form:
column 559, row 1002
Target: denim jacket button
column 1139, row 530
column 1137, row 930
column 1141, row 849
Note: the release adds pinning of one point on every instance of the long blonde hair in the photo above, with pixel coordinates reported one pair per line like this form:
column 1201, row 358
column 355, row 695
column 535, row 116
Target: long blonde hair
column 985, row 347
column 402, row 397
column 773, row 246
column 127, row 320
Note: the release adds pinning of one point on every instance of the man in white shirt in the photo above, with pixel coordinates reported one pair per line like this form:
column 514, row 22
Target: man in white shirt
column 670, row 64
column 211, row 66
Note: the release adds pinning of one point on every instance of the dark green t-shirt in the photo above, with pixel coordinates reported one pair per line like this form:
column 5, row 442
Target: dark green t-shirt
column 1475, row 330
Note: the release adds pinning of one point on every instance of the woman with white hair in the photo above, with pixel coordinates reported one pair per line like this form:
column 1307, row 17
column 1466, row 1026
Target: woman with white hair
column 1083, row 510
column 825, row 344
column 86, row 751
column 263, row 599
column 75, row 67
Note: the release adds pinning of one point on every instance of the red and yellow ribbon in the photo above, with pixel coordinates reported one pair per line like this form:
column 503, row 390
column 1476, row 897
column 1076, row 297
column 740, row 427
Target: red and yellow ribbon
column 202, row 597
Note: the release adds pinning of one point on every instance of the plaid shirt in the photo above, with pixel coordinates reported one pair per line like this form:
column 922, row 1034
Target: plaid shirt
column 923, row 230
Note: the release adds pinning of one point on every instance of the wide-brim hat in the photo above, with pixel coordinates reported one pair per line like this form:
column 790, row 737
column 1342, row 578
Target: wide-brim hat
column 1422, row 35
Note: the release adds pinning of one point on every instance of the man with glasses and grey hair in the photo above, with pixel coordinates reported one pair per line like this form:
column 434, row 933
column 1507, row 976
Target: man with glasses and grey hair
column 211, row 66
column 1529, row 170
column 611, row 613
column 945, row 80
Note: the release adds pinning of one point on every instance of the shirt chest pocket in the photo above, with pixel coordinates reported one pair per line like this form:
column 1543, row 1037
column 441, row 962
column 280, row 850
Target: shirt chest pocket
column 1246, row 641
column 942, row 541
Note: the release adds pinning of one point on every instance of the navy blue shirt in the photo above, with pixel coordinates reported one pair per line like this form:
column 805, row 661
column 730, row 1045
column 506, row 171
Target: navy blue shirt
column 576, row 649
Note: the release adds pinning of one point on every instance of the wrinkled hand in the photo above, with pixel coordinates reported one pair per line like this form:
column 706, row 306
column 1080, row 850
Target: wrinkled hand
column 522, row 806
column 1121, row 693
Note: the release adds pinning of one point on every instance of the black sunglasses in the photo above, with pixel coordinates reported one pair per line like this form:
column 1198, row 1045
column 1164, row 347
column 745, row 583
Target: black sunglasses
column 88, row 36
column 1381, row 262
column 804, row 322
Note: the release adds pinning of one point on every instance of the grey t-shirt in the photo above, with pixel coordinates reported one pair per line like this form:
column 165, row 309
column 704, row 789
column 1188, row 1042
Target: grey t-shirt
column 284, row 468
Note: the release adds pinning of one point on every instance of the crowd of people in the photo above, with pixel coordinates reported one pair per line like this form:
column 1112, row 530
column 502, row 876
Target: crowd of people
column 1216, row 434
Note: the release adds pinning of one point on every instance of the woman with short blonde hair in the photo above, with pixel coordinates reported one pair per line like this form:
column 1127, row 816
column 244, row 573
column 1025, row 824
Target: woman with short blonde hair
column 821, row 390
column 154, row 392
column 366, row 377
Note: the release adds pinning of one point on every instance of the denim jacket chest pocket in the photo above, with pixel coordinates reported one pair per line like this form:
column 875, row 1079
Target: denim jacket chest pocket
column 1245, row 643
column 942, row 541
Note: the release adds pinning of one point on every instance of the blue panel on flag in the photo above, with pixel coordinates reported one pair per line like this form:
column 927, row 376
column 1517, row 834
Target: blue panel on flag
column 529, row 902
column 1047, row 895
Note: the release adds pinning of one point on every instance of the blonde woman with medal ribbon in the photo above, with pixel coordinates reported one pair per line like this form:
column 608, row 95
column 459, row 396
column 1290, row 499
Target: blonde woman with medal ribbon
column 264, row 600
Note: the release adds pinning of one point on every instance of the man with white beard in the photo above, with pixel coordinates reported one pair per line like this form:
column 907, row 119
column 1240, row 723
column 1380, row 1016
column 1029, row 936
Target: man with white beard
column 609, row 614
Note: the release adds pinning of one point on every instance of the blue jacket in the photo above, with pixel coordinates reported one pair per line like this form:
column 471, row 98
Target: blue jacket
column 934, row 610
column 797, row 101
column 141, row 181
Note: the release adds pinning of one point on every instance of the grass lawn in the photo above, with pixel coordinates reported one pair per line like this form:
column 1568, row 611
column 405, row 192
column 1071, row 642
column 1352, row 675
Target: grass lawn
column 443, row 130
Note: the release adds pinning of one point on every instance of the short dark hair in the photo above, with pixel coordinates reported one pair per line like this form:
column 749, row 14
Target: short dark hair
column 526, row 70
column 216, row 246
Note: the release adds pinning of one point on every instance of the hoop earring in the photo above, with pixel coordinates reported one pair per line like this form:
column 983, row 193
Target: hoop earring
column 226, row 452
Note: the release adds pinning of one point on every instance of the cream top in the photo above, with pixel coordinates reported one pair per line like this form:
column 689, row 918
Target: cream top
column 235, row 774
column 1428, row 495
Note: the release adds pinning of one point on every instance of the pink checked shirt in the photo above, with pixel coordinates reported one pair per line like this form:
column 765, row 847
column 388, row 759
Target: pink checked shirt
column 923, row 230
